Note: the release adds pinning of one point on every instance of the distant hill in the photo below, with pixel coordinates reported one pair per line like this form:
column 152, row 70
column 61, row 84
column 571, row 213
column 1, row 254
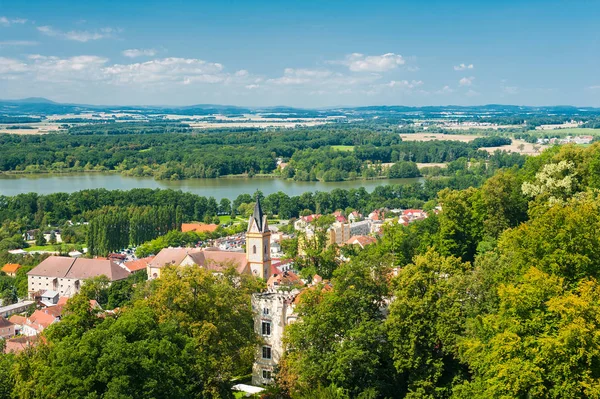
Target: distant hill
column 43, row 106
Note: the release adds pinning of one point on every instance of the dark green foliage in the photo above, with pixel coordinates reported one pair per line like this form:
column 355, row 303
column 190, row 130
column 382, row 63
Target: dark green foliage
column 403, row 169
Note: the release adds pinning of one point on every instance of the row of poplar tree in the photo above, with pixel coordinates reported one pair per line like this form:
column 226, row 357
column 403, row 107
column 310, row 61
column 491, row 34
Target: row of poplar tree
column 115, row 228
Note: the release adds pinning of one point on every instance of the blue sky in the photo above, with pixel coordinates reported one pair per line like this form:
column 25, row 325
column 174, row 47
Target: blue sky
column 302, row 53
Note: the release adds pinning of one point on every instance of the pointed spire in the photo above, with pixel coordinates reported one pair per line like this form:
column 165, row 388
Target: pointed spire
column 258, row 215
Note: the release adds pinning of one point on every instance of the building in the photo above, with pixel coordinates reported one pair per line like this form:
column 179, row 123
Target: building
column 49, row 298
column 273, row 311
column 361, row 228
column 40, row 320
column 361, row 241
column 66, row 275
column 258, row 243
column 15, row 308
column 209, row 258
column 256, row 260
column 338, row 233
column 7, row 329
column 11, row 269
column 137, row 265
column 18, row 322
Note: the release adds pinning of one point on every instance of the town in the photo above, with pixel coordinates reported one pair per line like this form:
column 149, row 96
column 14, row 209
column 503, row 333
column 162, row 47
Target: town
column 58, row 278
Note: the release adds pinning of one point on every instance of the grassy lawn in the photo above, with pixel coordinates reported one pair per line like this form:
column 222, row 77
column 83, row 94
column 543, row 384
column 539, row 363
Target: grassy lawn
column 342, row 147
column 225, row 219
column 42, row 248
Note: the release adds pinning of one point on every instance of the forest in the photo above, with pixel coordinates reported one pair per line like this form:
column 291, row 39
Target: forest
column 173, row 151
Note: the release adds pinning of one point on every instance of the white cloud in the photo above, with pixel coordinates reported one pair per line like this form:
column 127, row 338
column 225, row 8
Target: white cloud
column 4, row 21
column 134, row 52
column 466, row 81
column 596, row 87
column 404, row 84
column 357, row 62
column 293, row 76
column 445, row 90
column 510, row 89
column 79, row 36
column 11, row 66
column 241, row 73
column 173, row 70
column 462, row 67
column 252, row 86
column 18, row 43
column 472, row 93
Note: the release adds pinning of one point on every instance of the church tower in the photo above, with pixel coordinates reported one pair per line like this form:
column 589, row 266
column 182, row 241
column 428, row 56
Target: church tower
column 258, row 243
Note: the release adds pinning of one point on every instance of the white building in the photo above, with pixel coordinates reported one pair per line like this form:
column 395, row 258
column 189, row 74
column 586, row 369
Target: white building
column 66, row 275
column 273, row 311
column 361, row 228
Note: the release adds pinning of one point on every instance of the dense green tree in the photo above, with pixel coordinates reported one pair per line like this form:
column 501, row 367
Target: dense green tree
column 340, row 338
column 426, row 319
column 403, row 169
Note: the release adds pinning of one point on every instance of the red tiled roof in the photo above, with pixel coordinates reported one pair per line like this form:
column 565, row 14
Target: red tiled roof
column 361, row 240
column 19, row 344
column 5, row 323
column 138, row 264
column 16, row 319
column 11, row 268
column 40, row 320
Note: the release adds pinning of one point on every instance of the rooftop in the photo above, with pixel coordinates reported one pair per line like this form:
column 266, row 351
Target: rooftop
column 78, row 268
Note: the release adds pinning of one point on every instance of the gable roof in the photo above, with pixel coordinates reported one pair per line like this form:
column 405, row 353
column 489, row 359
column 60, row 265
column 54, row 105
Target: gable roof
column 138, row 264
column 171, row 256
column 40, row 319
column 361, row 240
column 4, row 323
column 78, row 268
column 211, row 259
column 16, row 319
column 11, row 268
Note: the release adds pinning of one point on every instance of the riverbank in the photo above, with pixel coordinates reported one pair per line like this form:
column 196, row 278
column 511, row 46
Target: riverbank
column 219, row 188
column 22, row 173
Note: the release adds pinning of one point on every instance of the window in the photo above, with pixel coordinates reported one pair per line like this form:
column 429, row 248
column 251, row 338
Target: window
column 254, row 249
column 265, row 311
column 266, row 352
column 266, row 328
column 265, row 249
column 266, row 374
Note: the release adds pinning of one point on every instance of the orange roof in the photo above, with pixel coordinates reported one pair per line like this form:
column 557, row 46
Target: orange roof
column 11, row 267
column 19, row 343
column 62, row 300
column 40, row 319
column 199, row 227
column 361, row 240
column 16, row 319
column 138, row 264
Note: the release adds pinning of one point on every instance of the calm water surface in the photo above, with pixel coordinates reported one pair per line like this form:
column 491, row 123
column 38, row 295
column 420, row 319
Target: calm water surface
column 218, row 188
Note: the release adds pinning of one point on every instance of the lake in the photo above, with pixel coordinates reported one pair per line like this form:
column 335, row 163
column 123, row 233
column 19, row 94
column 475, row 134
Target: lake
column 219, row 188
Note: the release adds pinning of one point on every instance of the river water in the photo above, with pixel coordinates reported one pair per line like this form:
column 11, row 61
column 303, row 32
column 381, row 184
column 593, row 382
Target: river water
column 218, row 188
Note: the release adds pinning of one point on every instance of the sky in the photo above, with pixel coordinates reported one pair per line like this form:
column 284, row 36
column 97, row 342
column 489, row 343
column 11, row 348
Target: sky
column 301, row 53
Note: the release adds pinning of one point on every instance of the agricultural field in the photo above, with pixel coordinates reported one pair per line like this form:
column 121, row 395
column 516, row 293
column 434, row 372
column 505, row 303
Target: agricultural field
column 465, row 138
column 520, row 146
column 574, row 131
